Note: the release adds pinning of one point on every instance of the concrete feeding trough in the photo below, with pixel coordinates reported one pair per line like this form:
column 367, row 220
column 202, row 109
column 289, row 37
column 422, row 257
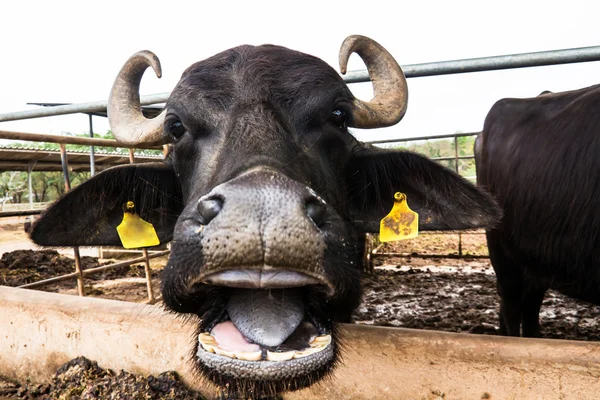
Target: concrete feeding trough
column 40, row 331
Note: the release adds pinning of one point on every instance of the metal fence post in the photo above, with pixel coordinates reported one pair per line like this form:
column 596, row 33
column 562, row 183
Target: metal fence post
column 30, row 184
column 367, row 266
column 92, row 156
column 65, row 167
column 457, row 171
column 147, row 270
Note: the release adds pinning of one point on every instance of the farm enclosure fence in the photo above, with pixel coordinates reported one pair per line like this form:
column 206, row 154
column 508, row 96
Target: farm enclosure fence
column 553, row 57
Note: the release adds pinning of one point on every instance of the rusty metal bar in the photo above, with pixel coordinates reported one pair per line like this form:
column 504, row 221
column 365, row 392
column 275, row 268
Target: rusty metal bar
column 411, row 255
column 65, row 166
column 47, row 138
column 92, row 157
column 465, row 232
column 456, row 167
column 78, row 271
column 91, row 271
column 453, row 158
column 148, row 273
column 367, row 259
column 131, row 156
column 20, row 213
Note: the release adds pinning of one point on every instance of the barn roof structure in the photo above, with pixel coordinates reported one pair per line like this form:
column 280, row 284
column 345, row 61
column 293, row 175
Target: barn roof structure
column 24, row 158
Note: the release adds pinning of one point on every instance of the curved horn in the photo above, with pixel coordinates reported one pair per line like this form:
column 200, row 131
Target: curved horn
column 389, row 84
column 128, row 124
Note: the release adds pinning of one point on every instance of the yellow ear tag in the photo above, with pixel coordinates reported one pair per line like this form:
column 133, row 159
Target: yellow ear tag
column 401, row 223
column 134, row 231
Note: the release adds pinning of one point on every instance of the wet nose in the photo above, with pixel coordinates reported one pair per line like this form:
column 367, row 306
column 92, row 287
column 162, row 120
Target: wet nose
column 262, row 218
column 316, row 211
column 209, row 208
column 271, row 201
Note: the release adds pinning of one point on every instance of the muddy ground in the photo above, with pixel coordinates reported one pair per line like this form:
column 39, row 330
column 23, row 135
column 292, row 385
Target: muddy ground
column 405, row 291
column 84, row 379
column 20, row 267
column 456, row 295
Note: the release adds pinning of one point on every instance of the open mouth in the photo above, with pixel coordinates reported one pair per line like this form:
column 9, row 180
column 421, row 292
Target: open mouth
column 268, row 327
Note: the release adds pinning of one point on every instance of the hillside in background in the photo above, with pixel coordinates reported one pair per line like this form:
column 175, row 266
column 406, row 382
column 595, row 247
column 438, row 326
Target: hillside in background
column 436, row 148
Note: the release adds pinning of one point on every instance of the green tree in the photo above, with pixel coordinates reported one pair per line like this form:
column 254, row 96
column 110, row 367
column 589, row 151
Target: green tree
column 40, row 186
column 436, row 148
column 12, row 186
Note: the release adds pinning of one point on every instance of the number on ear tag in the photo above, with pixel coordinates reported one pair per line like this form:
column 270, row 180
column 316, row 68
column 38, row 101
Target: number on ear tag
column 401, row 223
column 134, row 232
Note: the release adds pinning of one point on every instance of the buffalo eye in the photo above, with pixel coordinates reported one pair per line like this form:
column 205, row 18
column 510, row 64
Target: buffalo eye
column 176, row 128
column 339, row 118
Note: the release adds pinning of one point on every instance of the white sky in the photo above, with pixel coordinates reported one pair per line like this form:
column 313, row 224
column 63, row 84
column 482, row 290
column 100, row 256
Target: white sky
column 70, row 51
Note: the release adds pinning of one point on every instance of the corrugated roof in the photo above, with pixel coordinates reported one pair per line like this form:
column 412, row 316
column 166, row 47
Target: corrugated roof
column 19, row 159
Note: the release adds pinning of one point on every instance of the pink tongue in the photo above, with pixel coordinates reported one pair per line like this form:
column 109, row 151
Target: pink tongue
column 229, row 338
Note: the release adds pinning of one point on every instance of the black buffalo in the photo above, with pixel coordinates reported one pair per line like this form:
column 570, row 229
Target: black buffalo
column 540, row 158
column 265, row 195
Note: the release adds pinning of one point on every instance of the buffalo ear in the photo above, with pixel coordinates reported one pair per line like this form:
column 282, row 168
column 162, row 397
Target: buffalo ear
column 89, row 214
column 443, row 199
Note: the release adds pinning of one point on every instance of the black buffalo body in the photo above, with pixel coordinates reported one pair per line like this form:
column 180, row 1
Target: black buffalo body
column 540, row 158
column 266, row 197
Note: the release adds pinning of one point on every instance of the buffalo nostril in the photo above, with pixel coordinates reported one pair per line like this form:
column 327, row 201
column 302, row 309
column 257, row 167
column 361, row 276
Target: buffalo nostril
column 209, row 208
column 316, row 212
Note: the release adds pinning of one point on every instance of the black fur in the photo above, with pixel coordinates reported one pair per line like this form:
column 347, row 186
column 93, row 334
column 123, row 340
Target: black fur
column 539, row 158
column 90, row 213
column 271, row 107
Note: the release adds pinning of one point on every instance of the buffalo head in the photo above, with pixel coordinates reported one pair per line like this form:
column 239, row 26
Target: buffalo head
column 266, row 197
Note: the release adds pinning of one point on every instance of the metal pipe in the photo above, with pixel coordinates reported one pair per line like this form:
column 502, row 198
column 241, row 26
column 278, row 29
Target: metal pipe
column 522, row 60
column 41, row 137
column 456, row 168
column 65, row 166
column 131, row 156
column 78, row 271
column 493, row 63
column 20, row 213
column 148, row 273
column 412, row 255
column 90, row 107
column 91, row 271
column 92, row 157
column 367, row 260
column 414, row 139
column 451, row 158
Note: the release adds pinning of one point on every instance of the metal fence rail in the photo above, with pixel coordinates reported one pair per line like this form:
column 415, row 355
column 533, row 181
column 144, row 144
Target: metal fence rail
column 494, row 63
column 90, row 271
column 553, row 57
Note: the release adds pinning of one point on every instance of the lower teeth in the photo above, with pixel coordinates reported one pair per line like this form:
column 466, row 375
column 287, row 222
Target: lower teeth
column 210, row 344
